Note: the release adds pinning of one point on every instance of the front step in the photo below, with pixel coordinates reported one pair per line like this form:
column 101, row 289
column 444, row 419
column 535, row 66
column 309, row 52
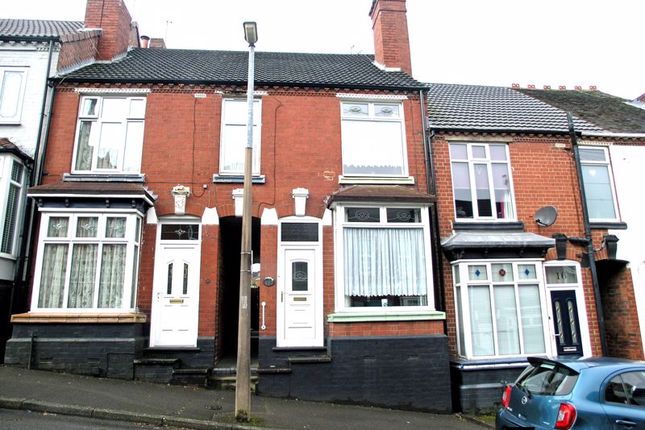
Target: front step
column 227, row 382
column 159, row 370
column 191, row 376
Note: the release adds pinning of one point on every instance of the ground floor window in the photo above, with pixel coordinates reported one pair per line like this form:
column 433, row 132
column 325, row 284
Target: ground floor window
column 384, row 257
column 501, row 310
column 87, row 261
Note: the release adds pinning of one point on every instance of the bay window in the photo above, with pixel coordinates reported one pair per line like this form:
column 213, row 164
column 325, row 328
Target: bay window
column 500, row 308
column 234, row 136
column 13, row 81
column 11, row 212
column 373, row 139
column 109, row 135
column 598, row 183
column 481, row 181
column 384, row 254
column 87, row 261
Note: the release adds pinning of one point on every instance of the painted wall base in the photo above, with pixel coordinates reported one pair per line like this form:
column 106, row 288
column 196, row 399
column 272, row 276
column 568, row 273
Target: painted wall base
column 478, row 385
column 396, row 372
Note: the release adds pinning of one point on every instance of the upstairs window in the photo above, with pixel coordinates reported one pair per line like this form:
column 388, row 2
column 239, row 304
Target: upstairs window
column 12, row 208
column 481, row 182
column 598, row 182
column 373, row 139
column 12, row 91
column 109, row 135
column 234, row 136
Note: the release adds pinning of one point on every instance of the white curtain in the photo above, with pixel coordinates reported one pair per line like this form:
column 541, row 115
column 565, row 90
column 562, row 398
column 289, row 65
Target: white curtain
column 52, row 278
column 112, row 274
column 531, row 314
column 84, row 150
column 508, row 340
column 82, row 276
column 384, row 262
column 481, row 320
column 372, row 147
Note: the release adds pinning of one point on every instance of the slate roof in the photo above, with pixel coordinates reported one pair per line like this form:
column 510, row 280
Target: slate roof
column 37, row 28
column 604, row 110
column 8, row 146
column 379, row 193
column 489, row 108
column 230, row 67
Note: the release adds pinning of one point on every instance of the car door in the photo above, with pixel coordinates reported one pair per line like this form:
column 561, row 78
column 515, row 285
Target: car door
column 624, row 401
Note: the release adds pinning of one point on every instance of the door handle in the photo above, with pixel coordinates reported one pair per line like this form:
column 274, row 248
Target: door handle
column 626, row 423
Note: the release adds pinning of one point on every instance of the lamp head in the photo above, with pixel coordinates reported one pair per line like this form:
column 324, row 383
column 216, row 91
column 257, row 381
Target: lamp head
column 250, row 32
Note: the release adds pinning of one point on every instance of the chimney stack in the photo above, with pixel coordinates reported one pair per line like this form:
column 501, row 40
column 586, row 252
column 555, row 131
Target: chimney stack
column 113, row 18
column 390, row 27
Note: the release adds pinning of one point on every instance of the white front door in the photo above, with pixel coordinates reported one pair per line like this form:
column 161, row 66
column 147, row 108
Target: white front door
column 299, row 316
column 175, row 297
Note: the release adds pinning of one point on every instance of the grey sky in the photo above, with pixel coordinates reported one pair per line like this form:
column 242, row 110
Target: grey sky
column 492, row 42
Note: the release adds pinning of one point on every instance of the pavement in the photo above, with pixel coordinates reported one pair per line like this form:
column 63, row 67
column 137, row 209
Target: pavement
column 195, row 407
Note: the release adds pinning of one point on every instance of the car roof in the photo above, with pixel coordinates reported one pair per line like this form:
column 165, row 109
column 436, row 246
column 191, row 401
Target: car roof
column 580, row 364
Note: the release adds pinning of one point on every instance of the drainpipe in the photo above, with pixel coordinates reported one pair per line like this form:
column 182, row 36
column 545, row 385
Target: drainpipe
column 587, row 227
column 437, row 262
column 23, row 269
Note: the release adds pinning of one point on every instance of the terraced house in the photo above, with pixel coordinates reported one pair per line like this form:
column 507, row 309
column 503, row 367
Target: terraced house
column 138, row 245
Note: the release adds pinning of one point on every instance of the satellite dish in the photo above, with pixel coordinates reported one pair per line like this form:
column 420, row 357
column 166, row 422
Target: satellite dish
column 546, row 216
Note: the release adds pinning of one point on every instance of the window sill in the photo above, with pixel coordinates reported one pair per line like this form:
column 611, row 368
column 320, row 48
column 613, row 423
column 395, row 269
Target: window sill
column 488, row 225
column 103, row 177
column 616, row 225
column 346, row 317
column 407, row 180
column 79, row 318
column 237, row 179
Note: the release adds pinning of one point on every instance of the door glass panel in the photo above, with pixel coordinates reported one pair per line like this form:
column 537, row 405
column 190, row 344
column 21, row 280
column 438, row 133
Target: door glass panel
column 169, row 285
column 558, row 321
column 185, row 289
column 180, row 232
column 561, row 275
column 299, row 276
column 571, row 307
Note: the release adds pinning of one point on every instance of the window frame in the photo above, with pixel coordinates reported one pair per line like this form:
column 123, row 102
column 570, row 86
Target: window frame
column 17, row 118
column 341, row 305
column 612, row 187
column 371, row 117
column 94, row 139
column 257, row 133
column 462, row 301
column 471, row 161
column 133, row 241
column 7, row 182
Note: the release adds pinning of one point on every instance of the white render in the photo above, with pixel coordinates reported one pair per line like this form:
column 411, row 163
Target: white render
column 34, row 57
column 629, row 176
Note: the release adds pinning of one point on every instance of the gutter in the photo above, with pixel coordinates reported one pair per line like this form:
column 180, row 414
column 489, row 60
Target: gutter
column 437, row 260
column 587, row 227
column 613, row 134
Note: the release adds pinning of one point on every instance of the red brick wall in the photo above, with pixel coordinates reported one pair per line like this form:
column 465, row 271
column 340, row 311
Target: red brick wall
column 390, row 27
column 300, row 147
column 78, row 49
column 621, row 315
column 113, row 18
column 542, row 175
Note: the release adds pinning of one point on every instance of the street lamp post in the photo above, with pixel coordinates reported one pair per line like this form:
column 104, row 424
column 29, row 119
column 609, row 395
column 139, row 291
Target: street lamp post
column 243, row 370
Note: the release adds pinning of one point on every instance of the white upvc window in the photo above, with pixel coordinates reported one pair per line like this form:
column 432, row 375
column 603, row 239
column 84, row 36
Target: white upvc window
column 13, row 81
column 481, row 181
column 109, row 135
column 87, row 262
column 11, row 212
column 373, row 139
column 599, row 183
column 234, row 136
column 501, row 308
column 383, row 258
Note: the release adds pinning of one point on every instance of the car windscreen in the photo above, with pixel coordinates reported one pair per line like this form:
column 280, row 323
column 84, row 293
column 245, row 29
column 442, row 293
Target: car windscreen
column 547, row 379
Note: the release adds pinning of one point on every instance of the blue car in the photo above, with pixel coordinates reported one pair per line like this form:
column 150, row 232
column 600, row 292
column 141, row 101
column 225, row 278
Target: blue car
column 593, row 393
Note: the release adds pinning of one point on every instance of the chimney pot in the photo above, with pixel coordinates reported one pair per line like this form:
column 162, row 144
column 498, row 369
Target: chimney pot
column 547, row 87
column 531, row 86
column 593, row 88
column 562, row 87
column 515, row 86
column 145, row 41
column 578, row 88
